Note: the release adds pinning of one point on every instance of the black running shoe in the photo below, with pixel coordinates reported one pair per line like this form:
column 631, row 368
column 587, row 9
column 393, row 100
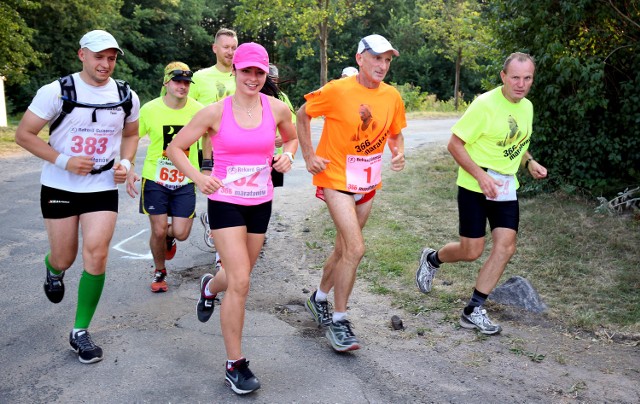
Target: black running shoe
column 240, row 378
column 54, row 287
column 87, row 351
column 205, row 305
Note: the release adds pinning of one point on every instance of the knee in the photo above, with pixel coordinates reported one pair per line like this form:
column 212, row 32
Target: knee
column 472, row 253
column 62, row 264
column 506, row 250
column 240, row 286
column 355, row 252
column 181, row 235
column 159, row 232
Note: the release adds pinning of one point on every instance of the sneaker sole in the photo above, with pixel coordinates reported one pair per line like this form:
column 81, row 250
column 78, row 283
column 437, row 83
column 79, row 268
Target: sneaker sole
column 349, row 348
column 236, row 390
column 94, row 360
column 160, row 289
column 87, row 361
column 464, row 323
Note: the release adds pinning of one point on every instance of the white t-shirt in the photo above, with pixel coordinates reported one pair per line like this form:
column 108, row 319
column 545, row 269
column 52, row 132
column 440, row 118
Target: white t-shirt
column 78, row 135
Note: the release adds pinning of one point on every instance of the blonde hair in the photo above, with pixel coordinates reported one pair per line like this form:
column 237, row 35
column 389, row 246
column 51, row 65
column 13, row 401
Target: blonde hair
column 175, row 65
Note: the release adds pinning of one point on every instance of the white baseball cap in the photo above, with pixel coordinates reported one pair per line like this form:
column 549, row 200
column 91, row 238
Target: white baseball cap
column 376, row 44
column 99, row 40
column 349, row 71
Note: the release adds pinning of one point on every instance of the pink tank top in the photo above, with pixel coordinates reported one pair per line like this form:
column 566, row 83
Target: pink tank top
column 242, row 157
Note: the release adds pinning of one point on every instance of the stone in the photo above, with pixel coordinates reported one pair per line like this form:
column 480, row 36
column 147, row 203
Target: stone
column 517, row 291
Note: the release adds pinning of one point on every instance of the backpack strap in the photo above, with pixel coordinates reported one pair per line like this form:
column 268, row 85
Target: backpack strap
column 70, row 100
column 68, row 96
column 124, row 91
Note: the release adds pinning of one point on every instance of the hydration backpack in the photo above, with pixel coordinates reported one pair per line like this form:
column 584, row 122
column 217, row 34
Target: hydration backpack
column 69, row 100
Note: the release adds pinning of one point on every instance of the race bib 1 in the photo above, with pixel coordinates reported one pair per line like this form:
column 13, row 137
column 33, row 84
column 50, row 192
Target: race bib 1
column 507, row 191
column 364, row 173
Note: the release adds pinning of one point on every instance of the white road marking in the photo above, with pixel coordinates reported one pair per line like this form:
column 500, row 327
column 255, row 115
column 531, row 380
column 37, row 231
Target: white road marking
column 133, row 255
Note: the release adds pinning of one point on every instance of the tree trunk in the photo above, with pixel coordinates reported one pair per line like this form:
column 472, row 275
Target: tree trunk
column 324, row 37
column 456, row 86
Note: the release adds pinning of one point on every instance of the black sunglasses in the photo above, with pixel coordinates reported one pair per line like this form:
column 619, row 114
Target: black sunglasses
column 177, row 73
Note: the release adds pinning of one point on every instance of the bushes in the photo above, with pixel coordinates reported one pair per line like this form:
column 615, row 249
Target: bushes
column 414, row 100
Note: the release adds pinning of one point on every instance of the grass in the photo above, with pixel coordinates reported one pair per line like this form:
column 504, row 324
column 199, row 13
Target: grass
column 8, row 144
column 583, row 264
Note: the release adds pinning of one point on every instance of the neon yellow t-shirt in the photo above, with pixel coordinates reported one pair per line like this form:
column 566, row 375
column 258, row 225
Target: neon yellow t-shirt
column 211, row 85
column 161, row 124
column 284, row 98
column 496, row 133
column 345, row 104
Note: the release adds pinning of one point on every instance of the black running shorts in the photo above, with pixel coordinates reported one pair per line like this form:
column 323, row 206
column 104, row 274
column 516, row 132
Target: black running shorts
column 474, row 210
column 255, row 218
column 58, row 204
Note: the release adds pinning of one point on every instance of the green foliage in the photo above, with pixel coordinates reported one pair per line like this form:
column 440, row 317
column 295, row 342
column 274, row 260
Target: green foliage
column 414, row 100
column 306, row 22
column 17, row 54
column 585, row 91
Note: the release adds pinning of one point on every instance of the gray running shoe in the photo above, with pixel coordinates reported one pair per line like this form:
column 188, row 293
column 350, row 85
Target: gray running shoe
column 426, row 271
column 319, row 310
column 208, row 240
column 478, row 319
column 341, row 336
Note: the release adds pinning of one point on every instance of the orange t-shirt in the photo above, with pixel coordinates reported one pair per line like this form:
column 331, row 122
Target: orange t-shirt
column 355, row 153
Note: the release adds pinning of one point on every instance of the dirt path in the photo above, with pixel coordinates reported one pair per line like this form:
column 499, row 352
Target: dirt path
column 533, row 360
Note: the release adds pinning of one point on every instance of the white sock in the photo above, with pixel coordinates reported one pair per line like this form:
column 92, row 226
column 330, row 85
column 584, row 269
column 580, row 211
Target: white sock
column 206, row 289
column 337, row 316
column 320, row 296
column 75, row 330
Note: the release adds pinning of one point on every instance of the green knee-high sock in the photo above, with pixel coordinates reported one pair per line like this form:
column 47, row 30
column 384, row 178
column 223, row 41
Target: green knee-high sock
column 89, row 291
column 48, row 265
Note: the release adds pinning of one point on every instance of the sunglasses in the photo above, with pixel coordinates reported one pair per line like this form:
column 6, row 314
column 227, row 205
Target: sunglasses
column 178, row 73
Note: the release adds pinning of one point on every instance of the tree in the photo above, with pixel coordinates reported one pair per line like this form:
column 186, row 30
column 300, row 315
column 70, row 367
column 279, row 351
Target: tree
column 57, row 28
column 457, row 31
column 301, row 21
column 585, row 91
column 16, row 52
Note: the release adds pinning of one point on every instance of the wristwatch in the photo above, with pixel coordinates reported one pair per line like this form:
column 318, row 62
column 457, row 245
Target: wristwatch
column 290, row 155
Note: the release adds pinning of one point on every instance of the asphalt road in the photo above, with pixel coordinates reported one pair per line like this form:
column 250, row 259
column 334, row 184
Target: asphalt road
column 155, row 349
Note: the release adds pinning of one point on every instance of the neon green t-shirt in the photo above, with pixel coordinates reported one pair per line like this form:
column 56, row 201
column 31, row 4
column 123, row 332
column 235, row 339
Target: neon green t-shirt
column 284, row 98
column 211, row 85
column 496, row 133
column 161, row 124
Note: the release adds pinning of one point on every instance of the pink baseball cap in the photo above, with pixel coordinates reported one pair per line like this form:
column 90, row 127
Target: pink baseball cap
column 251, row 54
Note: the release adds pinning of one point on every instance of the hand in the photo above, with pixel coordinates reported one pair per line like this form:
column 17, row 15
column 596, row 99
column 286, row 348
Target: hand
column 489, row 186
column 119, row 173
column 536, row 170
column 281, row 163
column 208, row 184
column 131, row 184
column 80, row 165
column 316, row 164
column 397, row 160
